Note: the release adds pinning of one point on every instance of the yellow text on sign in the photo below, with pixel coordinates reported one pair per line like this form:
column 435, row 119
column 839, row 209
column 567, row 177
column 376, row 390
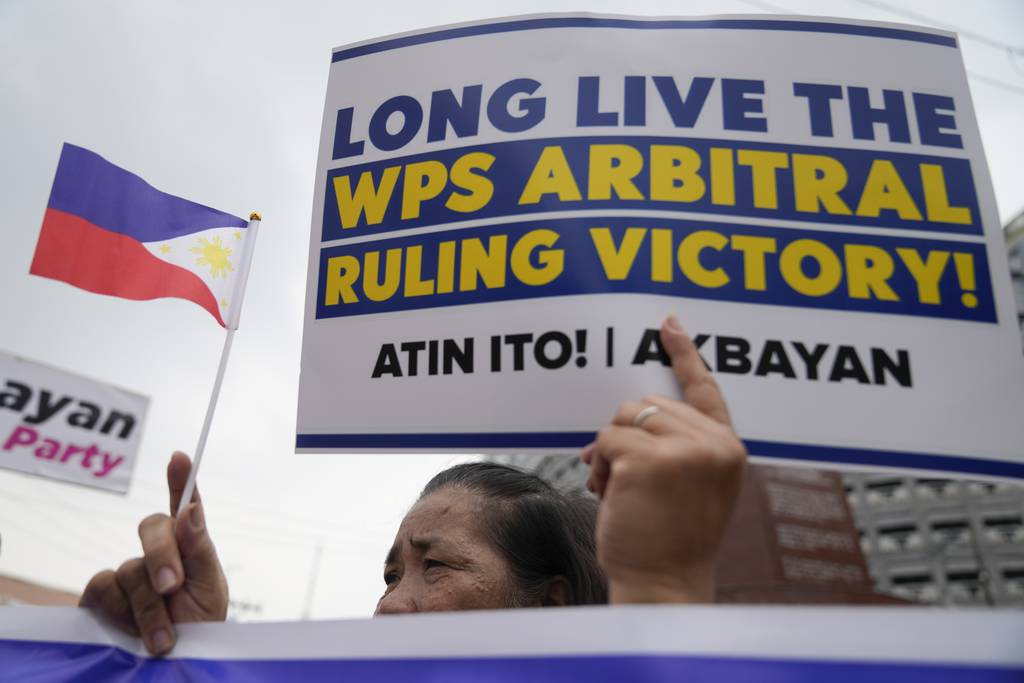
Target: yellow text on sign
column 467, row 189
column 806, row 266
column 678, row 174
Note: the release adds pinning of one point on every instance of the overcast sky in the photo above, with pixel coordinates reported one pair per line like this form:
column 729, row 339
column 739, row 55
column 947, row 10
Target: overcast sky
column 221, row 102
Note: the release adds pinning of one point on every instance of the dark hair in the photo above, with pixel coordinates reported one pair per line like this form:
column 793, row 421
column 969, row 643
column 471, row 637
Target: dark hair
column 542, row 532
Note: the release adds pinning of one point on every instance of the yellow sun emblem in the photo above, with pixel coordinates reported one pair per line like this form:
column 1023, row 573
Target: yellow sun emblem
column 214, row 254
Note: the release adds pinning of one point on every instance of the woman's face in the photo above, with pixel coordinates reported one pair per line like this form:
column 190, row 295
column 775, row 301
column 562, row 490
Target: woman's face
column 441, row 559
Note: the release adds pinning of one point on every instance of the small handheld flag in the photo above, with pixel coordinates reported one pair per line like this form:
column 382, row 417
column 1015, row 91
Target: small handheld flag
column 108, row 231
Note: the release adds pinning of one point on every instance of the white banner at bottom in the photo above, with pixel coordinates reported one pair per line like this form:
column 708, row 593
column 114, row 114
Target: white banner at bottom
column 591, row 644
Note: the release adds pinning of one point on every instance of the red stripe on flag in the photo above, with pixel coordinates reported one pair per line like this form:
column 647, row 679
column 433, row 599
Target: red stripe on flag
column 73, row 250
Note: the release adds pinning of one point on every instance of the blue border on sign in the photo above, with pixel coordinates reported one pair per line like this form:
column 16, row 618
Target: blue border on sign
column 35, row 660
column 594, row 22
column 767, row 449
column 38, row 660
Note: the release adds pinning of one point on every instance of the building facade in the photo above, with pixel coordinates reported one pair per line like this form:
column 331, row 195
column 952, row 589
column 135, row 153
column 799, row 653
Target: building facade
column 1014, row 232
column 941, row 541
column 792, row 538
column 801, row 535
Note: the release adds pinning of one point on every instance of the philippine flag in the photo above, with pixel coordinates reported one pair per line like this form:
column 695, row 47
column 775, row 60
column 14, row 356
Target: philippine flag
column 108, row 231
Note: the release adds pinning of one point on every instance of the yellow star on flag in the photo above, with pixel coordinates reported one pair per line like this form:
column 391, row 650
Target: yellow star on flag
column 223, row 302
column 165, row 248
column 214, row 254
column 238, row 234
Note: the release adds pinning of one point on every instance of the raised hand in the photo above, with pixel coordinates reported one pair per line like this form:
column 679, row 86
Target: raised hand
column 178, row 578
column 668, row 473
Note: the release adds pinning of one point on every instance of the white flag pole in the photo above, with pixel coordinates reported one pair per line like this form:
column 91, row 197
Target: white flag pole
column 231, row 323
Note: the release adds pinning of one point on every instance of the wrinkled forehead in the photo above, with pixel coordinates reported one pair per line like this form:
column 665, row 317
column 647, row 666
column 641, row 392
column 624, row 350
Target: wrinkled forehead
column 452, row 509
column 452, row 517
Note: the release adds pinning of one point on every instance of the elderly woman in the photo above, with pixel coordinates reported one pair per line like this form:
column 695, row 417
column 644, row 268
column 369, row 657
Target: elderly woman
column 485, row 536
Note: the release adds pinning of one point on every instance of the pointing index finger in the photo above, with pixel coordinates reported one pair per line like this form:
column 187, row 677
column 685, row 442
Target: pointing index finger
column 698, row 385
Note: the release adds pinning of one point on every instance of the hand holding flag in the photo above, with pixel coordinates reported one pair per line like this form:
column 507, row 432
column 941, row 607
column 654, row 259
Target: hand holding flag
column 178, row 579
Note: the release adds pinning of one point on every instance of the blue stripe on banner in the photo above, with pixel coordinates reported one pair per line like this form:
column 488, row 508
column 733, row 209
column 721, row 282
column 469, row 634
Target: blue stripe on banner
column 564, row 260
column 43, row 662
column 767, row 449
column 89, row 186
column 514, row 164
column 595, row 22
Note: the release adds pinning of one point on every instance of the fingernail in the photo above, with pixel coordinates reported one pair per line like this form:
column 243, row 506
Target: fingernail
column 196, row 517
column 165, row 579
column 160, row 640
column 673, row 323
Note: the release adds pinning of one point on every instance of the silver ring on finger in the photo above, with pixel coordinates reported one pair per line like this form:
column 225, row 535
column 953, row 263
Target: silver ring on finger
column 644, row 414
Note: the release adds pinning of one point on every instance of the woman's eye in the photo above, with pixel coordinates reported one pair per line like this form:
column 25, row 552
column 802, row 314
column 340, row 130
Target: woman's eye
column 430, row 564
column 391, row 578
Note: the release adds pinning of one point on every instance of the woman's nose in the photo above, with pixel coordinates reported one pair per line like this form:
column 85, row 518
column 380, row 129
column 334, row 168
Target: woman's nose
column 398, row 601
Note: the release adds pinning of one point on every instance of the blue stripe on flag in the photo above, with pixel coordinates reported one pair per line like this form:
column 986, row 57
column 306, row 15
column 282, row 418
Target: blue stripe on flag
column 106, row 195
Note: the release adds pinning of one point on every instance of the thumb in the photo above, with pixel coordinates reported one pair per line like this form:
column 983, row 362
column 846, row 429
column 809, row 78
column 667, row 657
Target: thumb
column 699, row 387
column 178, row 469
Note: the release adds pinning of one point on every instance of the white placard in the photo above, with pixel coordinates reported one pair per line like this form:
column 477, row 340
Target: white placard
column 60, row 425
column 505, row 211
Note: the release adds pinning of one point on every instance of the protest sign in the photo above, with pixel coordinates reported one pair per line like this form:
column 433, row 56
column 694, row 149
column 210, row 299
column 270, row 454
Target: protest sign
column 505, row 211
column 659, row 643
column 60, row 425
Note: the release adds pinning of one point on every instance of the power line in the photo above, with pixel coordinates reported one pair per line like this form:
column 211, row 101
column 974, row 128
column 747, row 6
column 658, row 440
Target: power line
column 130, row 509
column 966, row 33
column 259, row 514
column 55, row 529
column 996, row 82
column 258, row 529
column 768, row 6
column 1012, row 51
